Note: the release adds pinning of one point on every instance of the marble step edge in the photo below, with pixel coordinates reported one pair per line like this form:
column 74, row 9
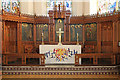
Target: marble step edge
column 71, row 69
column 60, row 73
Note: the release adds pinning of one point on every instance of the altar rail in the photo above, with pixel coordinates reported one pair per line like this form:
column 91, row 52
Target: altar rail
column 20, row 59
column 96, row 56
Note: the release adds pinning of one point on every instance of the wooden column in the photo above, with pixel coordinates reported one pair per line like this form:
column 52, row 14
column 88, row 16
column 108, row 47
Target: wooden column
column 18, row 37
column 95, row 60
column 115, row 36
column 34, row 35
column 0, row 43
column 4, row 42
column 83, row 35
column 53, row 31
column 49, row 32
column 5, row 59
column 23, row 60
column 113, row 61
column 42, row 60
column 69, row 33
column 65, row 30
column 99, row 37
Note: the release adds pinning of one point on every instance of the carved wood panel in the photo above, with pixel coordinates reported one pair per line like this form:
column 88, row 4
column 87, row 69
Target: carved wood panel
column 107, row 37
column 11, row 36
column 91, row 32
column 59, row 23
column 51, row 32
column 119, row 32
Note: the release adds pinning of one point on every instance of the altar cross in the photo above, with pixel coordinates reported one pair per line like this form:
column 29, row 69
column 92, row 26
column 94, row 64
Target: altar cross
column 60, row 32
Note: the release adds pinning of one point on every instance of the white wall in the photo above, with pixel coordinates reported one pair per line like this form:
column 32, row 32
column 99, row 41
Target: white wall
column 86, row 8
column 93, row 6
column 0, row 4
column 77, row 8
column 80, row 7
column 26, row 6
column 38, row 7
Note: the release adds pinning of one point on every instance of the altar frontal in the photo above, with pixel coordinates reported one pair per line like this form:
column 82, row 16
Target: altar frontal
column 60, row 54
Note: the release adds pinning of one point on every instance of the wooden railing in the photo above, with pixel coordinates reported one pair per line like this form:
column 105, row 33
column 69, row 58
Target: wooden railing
column 95, row 56
column 23, row 57
column 114, row 58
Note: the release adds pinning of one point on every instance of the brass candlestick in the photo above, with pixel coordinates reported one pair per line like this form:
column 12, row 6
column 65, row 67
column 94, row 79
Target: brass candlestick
column 42, row 39
column 77, row 39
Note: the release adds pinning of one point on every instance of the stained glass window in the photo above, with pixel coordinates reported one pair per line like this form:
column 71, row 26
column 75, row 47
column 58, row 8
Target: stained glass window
column 6, row 5
column 50, row 4
column 107, row 6
column 118, row 4
column 15, row 6
column 10, row 5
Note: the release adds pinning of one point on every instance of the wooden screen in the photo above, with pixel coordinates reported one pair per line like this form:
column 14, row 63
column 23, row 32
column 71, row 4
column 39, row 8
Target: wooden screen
column 74, row 29
column 119, row 33
column 91, row 32
column 107, row 37
column 59, row 23
column 27, row 32
column 11, row 36
column 42, row 28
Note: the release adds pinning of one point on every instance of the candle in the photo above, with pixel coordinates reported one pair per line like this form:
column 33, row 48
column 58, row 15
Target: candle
column 77, row 35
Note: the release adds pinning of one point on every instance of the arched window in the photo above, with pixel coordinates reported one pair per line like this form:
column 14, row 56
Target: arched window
column 50, row 4
column 11, row 5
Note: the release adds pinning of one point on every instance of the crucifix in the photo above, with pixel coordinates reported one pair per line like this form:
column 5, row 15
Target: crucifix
column 60, row 32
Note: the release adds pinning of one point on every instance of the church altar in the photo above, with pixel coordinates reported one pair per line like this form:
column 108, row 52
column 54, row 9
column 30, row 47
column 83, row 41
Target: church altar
column 60, row 54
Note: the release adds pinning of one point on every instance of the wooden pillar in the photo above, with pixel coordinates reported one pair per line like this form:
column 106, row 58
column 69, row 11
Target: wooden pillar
column 34, row 35
column 65, row 30
column 49, row 33
column 42, row 60
column 5, row 60
column 69, row 33
column 4, row 42
column 0, row 42
column 115, row 36
column 83, row 34
column 24, row 60
column 99, row 37
column 95, row 60
column 113, row 59
column 77, row 60
column 19, row 37
column 53, row 31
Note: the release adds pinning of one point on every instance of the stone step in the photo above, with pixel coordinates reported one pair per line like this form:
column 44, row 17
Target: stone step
column 59, row 68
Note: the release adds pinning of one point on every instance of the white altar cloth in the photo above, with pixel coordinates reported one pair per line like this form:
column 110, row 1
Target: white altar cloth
column 60, row 54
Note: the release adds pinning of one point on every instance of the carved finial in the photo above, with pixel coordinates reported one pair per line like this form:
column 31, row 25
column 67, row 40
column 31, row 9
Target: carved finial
column 59, row 7
column 64, row 8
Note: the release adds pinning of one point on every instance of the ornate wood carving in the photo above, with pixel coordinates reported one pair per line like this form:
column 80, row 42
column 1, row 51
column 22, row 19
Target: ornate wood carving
column 107, row 30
